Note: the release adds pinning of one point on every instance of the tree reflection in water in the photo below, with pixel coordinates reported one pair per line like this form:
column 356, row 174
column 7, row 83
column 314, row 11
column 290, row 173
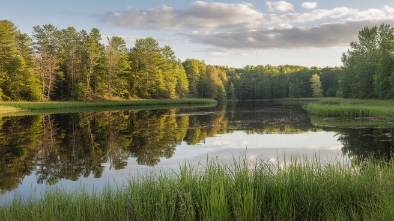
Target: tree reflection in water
column 366, row 143
column 19, row 137
column 70, row 146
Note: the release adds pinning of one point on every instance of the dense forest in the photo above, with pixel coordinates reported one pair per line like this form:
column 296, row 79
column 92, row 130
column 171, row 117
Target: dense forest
column 68, row 64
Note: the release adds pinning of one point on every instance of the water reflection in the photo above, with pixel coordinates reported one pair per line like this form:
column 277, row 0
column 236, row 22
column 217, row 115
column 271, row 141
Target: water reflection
column 18, row 148
column 70, row 146
column 365, row 143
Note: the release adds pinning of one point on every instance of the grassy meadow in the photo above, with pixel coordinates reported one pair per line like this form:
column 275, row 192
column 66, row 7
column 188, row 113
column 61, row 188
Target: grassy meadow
column 7, row 108
column 298, row 190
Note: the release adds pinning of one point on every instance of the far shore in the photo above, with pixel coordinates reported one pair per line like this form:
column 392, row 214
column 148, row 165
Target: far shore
column 25, row 107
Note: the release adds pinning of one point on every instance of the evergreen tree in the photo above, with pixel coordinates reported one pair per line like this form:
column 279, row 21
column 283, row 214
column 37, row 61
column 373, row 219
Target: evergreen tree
column 93, row 57
column 231, row 91
column 329, row 79
column 46, row 48
column 117, row 67
column 147, row 78
column 18, row 80
column 71, row 64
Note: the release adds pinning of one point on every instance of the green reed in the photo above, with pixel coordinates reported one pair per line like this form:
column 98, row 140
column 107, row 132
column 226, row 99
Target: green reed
column 297, row 190
column 354, row 108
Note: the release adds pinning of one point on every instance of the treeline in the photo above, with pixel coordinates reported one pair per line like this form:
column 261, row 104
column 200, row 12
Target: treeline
column 369, row 64
column 269, row 82
column 75, row 65
column 68, row 64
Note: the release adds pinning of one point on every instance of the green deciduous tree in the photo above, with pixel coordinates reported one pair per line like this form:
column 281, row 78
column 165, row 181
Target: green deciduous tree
column 385, row 67
column 182, row 83
column 368, row 64
column 194, row 68
column 316, row 86
column 382, row 74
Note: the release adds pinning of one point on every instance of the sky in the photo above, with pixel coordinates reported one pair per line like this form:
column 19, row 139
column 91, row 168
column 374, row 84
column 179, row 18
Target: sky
column 228, row 33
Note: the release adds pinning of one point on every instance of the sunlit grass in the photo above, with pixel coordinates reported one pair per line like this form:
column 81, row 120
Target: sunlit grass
column 297, row 190
column 76, row 106
column 354, row 108
column 9, row 109
column 343, row 122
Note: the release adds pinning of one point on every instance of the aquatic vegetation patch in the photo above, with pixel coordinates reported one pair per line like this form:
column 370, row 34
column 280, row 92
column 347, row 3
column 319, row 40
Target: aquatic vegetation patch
column 352, row 108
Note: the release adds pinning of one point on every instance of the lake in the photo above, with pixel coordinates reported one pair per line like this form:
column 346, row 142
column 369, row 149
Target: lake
column 95, row 149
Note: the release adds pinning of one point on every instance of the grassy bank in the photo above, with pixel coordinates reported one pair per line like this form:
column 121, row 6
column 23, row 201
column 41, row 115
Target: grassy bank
column 339, row 112
column 8, row 109
column 355, row 108
column 300, row 190
column 76, row 106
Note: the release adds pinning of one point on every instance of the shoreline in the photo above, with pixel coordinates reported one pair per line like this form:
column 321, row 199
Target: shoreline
column 23, row 107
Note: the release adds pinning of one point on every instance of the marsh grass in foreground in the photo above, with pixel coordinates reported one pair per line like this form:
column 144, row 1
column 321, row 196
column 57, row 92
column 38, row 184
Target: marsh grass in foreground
column 299, row 190
column 79, row 106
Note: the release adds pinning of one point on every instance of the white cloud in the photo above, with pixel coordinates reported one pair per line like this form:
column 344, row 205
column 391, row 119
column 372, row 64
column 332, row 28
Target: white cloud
column 130, row 39
column 224, row 52
column 231, row 17
column 322, row 36
column 201, row 15
column 309, row 5
column 242, row 26
column 279, row 6
column 219, row 53
column 389, row 9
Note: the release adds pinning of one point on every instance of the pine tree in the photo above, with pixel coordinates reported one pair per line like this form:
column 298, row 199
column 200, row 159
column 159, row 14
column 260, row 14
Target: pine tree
column 46, row 48
column 18, row 80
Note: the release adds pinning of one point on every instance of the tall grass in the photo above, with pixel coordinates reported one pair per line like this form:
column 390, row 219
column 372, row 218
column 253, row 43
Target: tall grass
column 299, row 190
column 355, row 108
column 78, row 106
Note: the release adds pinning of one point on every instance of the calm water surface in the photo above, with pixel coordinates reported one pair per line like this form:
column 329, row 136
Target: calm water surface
column 97, row 149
